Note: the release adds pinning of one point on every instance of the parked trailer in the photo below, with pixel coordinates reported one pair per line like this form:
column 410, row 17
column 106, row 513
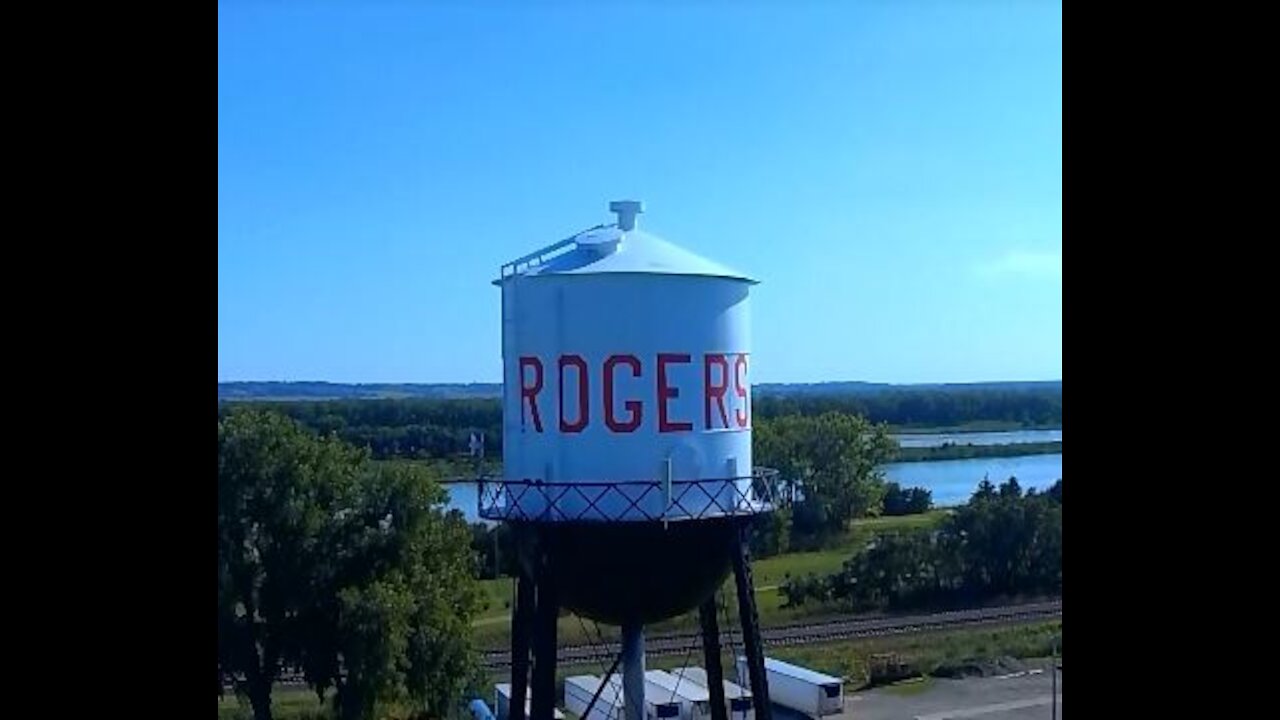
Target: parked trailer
column 800, row 689
column 695, row 701
column 479, row 710
column 736, row 697
column 502, row 702
column 579, row 689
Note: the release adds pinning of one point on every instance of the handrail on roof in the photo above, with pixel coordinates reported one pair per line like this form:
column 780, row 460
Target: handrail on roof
column 539, row 257
column 534, row 258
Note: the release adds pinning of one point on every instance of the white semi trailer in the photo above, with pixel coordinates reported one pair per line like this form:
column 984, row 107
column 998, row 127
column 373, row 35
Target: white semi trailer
column 736, row 698
column 800, row 689
column 579, row 689
column 695, row 701
column 502, row 702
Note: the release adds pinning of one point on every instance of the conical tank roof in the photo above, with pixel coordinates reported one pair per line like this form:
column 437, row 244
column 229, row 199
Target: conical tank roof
column 617, row 248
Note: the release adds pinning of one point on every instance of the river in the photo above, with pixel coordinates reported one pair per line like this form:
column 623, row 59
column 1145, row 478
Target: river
column 950, row 481
column 953, row 481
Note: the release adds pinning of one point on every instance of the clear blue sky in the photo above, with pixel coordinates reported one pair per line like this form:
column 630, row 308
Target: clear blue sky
column 891, row 171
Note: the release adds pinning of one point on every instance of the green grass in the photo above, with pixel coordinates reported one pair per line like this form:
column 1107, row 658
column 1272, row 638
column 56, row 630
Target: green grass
column 899, row 523
column 771, row 571
column 287, row 703
column 497, row 596
column 926, row 654
column 295, row 703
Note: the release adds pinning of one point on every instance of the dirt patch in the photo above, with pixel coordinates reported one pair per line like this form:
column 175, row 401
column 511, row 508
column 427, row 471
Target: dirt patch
column 981, row 667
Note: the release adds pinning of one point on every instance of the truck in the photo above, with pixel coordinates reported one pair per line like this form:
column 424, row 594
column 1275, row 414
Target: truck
column 736, row 698
column 579, row 689
column 800, row 689
column 502, row 702
column 695, row 701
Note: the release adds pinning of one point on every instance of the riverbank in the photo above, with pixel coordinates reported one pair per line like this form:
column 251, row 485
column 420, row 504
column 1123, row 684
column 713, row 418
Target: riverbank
column 971, row 427
column 952, row 451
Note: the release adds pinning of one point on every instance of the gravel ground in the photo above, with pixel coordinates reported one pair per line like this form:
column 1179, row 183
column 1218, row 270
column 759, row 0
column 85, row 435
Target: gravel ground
column 1017, row 696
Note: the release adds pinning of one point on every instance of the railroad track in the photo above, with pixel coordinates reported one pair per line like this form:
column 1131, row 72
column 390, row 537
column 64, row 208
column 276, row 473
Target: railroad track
column 669, row 644
column 802, row 634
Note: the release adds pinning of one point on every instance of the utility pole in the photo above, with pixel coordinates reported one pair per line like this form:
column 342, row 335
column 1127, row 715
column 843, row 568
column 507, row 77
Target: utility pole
column 496, row 564
column 1054, row 669
column 475, row 447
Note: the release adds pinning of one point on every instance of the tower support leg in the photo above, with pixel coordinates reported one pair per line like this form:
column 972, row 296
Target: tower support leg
column 711, row 656
column 751, row 641
column 633, row 671
column 546, row 612
column 521, row 628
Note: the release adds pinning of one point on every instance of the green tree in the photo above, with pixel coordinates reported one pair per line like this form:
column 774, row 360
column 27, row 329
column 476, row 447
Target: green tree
column 830, row 463
column 1055, row 492
column 1010, row 488
column 402, row 627
column 488, row 539
column 986, row 491
column 346, row 568
column 1011, row 542
column 1000, row 543
column 893, row 570
column 909, row 501
column 770, row 533
column 278, row 489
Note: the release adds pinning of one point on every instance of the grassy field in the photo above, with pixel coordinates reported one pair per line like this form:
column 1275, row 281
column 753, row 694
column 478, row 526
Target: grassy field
column 286, row 703
column 929, row 653
column 494, row 625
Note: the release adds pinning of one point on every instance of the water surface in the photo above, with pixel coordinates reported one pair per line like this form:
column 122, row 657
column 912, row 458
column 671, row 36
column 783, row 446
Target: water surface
column 951, row 481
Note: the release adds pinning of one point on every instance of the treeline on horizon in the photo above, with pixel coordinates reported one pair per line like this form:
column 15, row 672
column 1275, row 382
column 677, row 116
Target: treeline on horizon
column 267, row 390
column 435, row 428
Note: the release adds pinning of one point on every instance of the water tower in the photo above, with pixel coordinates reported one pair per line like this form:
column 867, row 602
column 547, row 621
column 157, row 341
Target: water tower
column 626, row 447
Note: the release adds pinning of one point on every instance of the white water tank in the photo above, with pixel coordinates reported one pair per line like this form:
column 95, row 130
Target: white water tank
column 626, row 358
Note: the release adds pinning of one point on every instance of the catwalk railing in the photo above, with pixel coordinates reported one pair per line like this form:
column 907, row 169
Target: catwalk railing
column 627, row 501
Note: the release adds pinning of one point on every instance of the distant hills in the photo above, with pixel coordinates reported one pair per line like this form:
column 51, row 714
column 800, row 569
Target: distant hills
column 284, row 391
column 868, row 388
column 353, row 391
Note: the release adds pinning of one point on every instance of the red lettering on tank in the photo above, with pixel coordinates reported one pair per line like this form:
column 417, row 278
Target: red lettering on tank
column 635, row 407
column 626, row 415
column 666, row 392
column 530, row 392
column 712, row 391
column 584, row 398
column 740, row 389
